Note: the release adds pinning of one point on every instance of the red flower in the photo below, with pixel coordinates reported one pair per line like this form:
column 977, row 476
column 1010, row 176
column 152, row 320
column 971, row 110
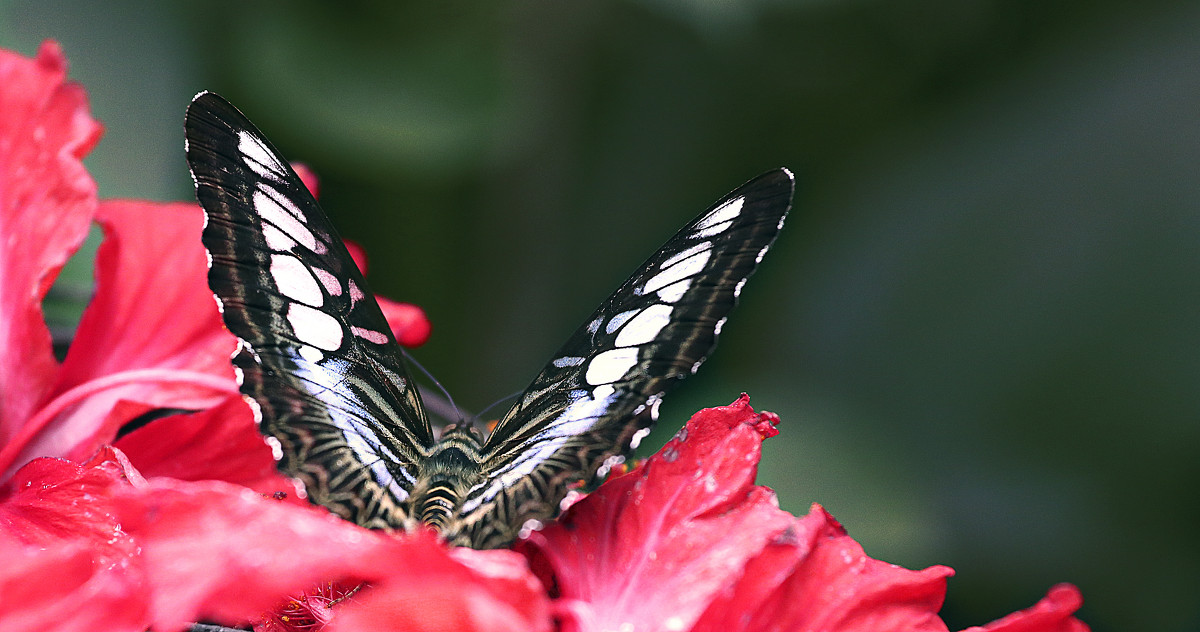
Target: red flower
column 178, row 531
column 686, row 541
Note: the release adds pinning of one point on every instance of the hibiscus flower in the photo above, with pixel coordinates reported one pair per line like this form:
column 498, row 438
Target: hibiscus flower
column 177, row 521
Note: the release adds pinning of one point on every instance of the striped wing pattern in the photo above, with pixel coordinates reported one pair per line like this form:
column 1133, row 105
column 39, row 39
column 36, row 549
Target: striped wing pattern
column 316, row 358
column 600, row 394
column 320, row 366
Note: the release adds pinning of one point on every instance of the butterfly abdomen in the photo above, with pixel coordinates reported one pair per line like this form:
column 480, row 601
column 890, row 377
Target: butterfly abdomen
column 446, row 475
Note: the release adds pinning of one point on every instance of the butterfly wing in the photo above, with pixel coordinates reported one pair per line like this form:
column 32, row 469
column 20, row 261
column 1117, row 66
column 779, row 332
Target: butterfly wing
column 316, row 357
column 600, row 393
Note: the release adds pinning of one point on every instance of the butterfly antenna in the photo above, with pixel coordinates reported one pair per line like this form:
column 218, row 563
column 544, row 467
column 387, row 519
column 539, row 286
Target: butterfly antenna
column 496, row 403
column 438, row 402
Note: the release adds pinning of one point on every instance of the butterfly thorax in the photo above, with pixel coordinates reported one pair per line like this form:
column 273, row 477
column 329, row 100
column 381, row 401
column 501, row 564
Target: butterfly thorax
column 450, row 470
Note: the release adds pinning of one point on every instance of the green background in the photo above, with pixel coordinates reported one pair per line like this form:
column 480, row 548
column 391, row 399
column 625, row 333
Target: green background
column 979, row 327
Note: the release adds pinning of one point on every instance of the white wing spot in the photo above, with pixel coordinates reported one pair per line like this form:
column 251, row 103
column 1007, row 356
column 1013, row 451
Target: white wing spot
column 567, row 361
column 611, row 365
column 761, row 253
column 608, row 464
column 737, row 289
column 723, row 213
column 276, row 239
column 256, row 411
column 260, row 159
column 715, row 229
column 719, row 325
column 356, row 294
column 636, row 440
column 283, row 201
column 682, row 269
column 314, row 327
column 604, row 392
column 312, row 354
column 327, row 279
column 528, row 527
column 615, row 322
column 276, row 447
column 645, row 326
column 655, row 401
column 271, row 211
column 370, row 335
column 684, row 254
column 672, row 293
column 295, row 281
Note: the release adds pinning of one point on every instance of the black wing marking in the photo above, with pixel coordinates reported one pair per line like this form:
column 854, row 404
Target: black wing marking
column 600, row 394
column 317, row 359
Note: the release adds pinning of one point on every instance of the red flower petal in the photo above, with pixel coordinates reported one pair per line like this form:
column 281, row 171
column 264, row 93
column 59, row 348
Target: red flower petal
column 50, row 501
column 152, row 333
column 480, row 591
column 221, row 443
column 46, row 203
column 60, row 587
column 308, row 177
column 651, row 549
column 1052, row 614
column 213, row 550
column 408, row 322
column 815, row 577
column 358, row 254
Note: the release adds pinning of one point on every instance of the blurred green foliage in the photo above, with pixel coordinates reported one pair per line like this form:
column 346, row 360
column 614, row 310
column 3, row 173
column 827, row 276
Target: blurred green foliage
column 980, row 326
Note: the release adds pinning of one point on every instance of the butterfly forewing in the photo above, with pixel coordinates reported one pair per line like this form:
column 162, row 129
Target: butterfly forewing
column 600, row 393
column 316, row 356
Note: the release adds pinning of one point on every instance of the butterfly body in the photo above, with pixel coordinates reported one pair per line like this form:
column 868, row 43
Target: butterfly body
column 327, row 381
column 447, row 474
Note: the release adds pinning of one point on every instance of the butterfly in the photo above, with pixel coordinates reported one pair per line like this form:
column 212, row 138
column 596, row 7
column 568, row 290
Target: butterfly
column 328, row 384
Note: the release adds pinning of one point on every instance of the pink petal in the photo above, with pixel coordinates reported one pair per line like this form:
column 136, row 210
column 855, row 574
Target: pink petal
column 358, row 254
column 219, row 552
column 308, row 177
column 469, row 591
column 815, row 577
column 151, row 335
column 60, row 587
column 651, row 549
column 408, row 322
column 46, row 203
column 50, row 501
column 68, row 565
column 221, row 443
column 1054, row 613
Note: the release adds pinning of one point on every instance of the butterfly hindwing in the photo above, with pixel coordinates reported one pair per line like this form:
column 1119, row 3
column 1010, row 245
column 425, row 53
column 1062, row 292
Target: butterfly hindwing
column 600, row 393
column 316, row 356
